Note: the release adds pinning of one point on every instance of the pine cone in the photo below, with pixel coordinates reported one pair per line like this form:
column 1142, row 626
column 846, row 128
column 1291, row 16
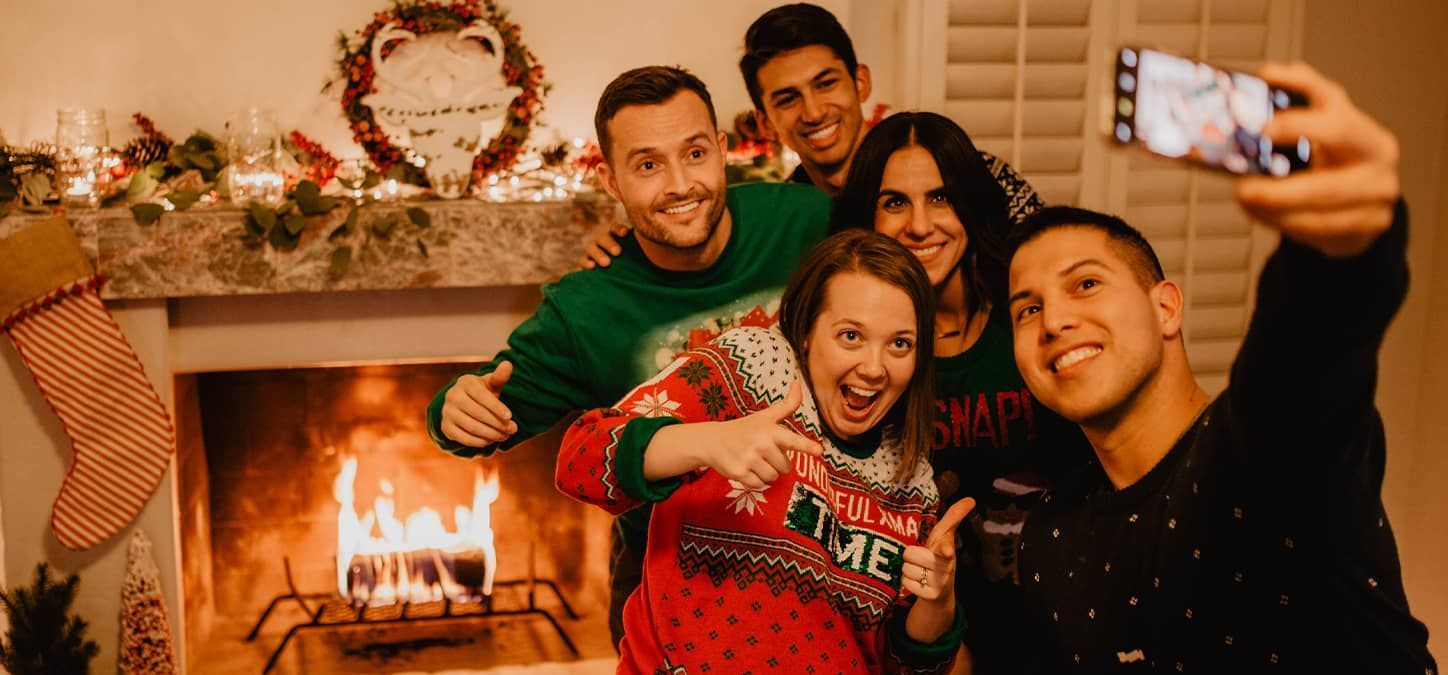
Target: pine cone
column 142, row 151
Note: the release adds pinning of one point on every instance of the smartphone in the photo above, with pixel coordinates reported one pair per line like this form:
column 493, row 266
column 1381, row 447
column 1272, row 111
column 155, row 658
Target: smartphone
column 1189, row 110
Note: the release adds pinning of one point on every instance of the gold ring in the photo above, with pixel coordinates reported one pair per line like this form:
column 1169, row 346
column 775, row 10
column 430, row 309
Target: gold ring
column 924, row 578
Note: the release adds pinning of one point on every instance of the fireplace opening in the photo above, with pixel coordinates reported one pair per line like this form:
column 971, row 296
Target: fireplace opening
column 321, row 483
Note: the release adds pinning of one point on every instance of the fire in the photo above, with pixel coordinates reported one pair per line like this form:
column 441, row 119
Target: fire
column 382, row 560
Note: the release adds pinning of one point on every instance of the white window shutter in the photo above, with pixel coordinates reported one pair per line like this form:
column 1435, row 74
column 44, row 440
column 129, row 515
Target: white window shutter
column 1016, row 79
column 1205, row 242
column 1028, row 80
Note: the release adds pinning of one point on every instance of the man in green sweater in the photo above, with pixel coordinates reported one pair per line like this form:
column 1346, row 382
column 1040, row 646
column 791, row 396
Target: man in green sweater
column 701, row 260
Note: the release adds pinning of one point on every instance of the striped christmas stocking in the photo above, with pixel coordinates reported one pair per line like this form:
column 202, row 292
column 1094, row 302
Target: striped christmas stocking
column 122, row 437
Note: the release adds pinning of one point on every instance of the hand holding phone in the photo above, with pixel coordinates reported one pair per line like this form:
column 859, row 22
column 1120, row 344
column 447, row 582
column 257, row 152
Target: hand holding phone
column 1184, row 109
column 1347, row 200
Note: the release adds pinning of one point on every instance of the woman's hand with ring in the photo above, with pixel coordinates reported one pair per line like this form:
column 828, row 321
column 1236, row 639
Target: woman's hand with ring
column 929, row 573
column 929, row 570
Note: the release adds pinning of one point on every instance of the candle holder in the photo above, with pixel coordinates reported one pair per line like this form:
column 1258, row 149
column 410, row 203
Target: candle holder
column 351, row 175
column 254, row 145
column 81, row 177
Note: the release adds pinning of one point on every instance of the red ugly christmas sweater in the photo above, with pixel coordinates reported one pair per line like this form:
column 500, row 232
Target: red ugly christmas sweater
column 801, row 577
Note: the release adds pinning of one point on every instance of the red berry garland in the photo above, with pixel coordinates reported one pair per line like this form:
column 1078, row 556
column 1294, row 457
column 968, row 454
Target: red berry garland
column 318, row 165
column 520, row 69
column 148, row 128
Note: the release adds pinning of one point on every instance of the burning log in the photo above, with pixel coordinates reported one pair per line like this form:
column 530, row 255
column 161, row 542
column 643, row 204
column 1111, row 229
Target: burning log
column 420, row 561
column 418, row 576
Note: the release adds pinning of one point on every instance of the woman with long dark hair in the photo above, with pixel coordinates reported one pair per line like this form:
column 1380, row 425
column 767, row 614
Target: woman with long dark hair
column 794, row 513
column 917, row 178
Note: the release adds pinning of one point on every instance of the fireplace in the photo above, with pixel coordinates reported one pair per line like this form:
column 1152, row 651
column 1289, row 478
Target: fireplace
column 322, row 481
column 200, row 308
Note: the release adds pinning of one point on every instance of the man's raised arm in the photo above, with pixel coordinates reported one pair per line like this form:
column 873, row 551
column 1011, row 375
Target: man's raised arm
column 1307, row 371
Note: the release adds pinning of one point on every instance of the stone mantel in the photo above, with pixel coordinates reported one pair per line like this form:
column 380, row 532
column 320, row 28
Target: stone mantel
column 200, row 252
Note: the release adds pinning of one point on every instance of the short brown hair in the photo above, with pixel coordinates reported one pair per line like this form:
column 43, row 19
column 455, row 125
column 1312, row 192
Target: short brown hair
column 649, row 85
column 865, row 252
column 785, row 29
column 1127, row 241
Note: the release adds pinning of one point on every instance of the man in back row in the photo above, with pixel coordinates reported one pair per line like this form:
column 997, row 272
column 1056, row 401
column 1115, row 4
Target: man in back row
column 1247, row 533
column 808, row 91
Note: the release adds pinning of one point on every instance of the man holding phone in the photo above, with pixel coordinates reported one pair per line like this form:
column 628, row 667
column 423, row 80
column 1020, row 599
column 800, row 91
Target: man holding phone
column 1245, row 533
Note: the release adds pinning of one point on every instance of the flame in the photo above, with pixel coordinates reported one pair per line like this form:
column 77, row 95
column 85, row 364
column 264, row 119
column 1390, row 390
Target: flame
column 383, row 560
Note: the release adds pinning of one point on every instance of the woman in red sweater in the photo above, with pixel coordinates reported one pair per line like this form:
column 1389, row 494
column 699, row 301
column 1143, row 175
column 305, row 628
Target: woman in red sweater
column 791, row 524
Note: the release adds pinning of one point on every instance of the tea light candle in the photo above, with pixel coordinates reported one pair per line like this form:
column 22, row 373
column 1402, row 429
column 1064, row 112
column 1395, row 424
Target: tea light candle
column 81, row 186
column 84, row 168
column 261, row 185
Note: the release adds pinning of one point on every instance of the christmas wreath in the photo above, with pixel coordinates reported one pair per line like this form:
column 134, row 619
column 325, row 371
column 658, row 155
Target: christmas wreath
column 519, row 69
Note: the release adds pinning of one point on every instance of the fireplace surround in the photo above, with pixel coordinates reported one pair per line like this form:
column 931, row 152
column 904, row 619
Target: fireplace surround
column 488, row 266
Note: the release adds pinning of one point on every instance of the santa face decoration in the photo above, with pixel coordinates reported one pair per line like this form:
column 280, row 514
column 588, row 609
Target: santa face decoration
column 447, row 91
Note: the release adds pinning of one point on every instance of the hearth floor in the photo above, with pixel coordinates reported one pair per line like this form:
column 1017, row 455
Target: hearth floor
column 451, row 647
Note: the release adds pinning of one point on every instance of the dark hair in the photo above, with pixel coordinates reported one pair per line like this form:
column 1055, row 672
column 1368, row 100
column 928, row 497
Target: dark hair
column 884, row 259
column 787, row 28
column 649, row 85
column 1129, row 243
column 978, row 200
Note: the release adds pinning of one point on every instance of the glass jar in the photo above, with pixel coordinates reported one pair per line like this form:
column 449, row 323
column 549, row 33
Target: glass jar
column 81, row 177
column 254, row 146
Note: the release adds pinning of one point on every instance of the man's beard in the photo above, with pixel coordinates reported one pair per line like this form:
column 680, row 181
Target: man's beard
column 647, row 225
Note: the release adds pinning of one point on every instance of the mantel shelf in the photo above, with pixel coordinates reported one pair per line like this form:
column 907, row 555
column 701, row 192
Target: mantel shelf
column 201, row 252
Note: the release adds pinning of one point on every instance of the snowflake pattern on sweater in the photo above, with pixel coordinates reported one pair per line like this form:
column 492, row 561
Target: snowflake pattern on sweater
column 802, row 576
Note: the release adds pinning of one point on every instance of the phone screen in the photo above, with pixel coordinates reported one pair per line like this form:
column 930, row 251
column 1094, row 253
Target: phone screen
column 1184, row 109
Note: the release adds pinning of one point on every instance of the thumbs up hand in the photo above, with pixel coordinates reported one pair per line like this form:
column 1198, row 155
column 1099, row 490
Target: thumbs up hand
column 929, row 570
column 473, row 415
column 929, row 573
column 754, row 450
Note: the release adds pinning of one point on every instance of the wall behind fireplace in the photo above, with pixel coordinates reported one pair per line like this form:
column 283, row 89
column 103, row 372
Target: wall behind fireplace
column 190, row 64
column 34, row 454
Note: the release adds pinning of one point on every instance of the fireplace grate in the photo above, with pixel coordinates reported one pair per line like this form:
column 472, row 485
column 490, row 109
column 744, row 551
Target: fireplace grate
column 332, row 613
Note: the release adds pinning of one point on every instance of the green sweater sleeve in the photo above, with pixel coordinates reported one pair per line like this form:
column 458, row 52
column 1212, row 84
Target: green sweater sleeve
column 546, row 383
column 637, row 435
column 924, row 654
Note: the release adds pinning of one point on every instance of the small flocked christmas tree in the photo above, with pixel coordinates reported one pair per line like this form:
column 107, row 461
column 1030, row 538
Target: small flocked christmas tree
column 146, row 642
column 44, row 638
